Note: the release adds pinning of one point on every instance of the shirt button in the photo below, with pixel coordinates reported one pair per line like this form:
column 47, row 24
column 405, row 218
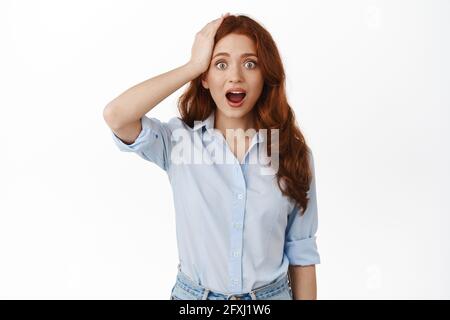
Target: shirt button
column 240, row 196
column 237, row 225
column 236, row 253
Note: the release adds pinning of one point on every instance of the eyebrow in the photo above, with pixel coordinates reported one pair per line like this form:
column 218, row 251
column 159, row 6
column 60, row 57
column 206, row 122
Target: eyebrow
column 242, row 56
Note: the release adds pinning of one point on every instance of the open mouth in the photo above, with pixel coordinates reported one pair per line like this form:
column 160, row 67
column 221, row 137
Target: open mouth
column 235, row 97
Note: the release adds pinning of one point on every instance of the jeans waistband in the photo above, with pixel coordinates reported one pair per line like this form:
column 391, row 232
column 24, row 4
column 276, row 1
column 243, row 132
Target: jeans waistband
column 279, row 283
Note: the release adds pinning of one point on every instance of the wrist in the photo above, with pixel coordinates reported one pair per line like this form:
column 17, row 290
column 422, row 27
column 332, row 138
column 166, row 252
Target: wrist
column 194, row 69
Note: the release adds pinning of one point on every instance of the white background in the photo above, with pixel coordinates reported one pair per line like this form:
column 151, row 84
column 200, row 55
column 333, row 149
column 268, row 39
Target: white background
column 369, row 82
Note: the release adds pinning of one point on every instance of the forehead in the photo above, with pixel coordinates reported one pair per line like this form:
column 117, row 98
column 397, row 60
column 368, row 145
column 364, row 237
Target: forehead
column 235, row 43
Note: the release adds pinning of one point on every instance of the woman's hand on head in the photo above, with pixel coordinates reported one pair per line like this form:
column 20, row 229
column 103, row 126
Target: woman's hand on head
column 204, row 43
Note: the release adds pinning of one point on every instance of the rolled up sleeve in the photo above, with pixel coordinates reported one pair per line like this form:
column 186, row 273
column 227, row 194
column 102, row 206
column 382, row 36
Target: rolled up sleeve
column 300, row 240
column 153, row 143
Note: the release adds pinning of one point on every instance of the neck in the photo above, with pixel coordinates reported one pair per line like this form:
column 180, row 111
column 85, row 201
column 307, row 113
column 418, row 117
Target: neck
column 222, row 122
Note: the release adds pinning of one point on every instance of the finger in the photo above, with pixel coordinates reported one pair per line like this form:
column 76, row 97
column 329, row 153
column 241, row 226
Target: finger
column 211, row 24
column 223, row 16
column 219, row 20
column 214, row 24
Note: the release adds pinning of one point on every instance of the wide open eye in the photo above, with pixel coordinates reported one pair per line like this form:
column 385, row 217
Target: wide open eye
column 220, row 63
column 251, row 63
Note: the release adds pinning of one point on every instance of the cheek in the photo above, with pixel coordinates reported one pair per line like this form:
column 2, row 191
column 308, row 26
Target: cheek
column 256, row 79
column 216, row 86
column 216, row 92
column 257, row 86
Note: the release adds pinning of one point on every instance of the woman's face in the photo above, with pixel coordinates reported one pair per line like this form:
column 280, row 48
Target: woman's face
column 234, row 64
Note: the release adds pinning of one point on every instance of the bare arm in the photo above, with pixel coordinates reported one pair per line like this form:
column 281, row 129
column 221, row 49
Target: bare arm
column 138, row 100
column 125, row 111
column 303, row 282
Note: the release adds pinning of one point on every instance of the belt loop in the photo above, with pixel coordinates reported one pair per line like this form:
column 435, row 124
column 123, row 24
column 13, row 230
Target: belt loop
column 253, row 295
column 179, row 266
column 205, row 294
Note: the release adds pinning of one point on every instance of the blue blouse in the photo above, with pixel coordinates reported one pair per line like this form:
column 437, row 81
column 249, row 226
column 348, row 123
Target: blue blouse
column 235, row 230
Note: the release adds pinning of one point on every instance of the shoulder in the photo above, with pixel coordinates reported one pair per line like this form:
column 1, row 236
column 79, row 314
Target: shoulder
column 174, row 123
column 178, row 123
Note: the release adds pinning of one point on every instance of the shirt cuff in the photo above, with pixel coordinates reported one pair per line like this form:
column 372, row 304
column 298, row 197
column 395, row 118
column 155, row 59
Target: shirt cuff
column 145, row 137
column 302, row 252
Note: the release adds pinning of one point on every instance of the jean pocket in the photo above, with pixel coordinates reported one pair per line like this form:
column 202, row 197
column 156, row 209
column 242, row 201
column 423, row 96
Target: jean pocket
column 278, row 294
column 181, row 293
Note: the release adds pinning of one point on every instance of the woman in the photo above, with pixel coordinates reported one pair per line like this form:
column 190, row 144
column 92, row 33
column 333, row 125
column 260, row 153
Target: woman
column 243, row 231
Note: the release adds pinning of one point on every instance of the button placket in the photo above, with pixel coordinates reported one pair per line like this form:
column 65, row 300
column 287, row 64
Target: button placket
column 237, row 225
column 236, row 230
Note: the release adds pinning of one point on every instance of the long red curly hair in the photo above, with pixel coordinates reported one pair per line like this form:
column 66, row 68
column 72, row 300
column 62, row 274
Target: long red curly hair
column 272, row 110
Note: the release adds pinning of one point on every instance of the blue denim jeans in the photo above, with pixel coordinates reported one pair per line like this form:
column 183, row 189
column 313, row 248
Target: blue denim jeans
column 186, row 289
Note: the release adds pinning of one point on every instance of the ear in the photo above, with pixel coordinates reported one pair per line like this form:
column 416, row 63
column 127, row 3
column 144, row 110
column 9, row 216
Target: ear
column 205, row 82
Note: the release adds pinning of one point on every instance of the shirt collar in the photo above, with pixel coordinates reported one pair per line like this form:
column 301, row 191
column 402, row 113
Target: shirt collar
column 208, row 124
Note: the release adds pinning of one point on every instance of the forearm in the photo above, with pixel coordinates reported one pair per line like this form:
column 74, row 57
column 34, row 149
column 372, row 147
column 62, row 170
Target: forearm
column 303, row 282
column 138, row 100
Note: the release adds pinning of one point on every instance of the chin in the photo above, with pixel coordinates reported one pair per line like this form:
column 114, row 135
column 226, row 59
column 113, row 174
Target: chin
column 235, row 113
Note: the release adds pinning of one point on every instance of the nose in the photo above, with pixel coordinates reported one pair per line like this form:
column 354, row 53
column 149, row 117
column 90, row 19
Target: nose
column 235, row 73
